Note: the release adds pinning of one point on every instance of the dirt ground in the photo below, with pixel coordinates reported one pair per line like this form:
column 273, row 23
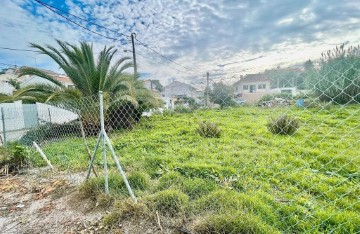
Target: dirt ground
column 44, row 201
column 40, row 201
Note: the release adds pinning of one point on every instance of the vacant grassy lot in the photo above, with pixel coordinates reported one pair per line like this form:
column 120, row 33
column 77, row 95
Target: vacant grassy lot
column 247, row 180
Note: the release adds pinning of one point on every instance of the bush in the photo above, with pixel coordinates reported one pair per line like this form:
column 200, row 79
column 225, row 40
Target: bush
column 50, row 131
column 168, row 202
column 14, row 158
column 20, row 154
column 284, row 125
column 338, row 78
column 209, row 129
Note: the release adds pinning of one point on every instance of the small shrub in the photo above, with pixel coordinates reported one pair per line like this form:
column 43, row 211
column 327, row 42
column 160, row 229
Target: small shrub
column 209, row 129
column 50, row 131
column 168, row 202
column 14, row 158
column 284, row 125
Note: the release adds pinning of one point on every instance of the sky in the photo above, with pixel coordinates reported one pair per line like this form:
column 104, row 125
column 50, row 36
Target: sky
column 226, row 38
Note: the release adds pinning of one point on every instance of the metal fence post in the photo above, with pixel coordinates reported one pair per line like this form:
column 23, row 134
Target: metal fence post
column 102, row 122
column 49, row 115
column 3, row 123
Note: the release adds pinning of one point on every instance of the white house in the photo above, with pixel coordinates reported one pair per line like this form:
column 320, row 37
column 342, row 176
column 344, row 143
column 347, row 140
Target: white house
column 252, row 87
column 32, row 79
column 26, row 80
column 180, row 90
column 177, row 90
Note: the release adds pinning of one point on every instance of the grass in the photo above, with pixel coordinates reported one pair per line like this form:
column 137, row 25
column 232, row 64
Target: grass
column 246, row 181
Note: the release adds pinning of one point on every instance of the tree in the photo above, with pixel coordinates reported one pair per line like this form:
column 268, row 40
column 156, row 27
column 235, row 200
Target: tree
column 286, row 78
column 222, row 94
column 338, row 79
column 90, row 76
column 158, row 86
column 308, row 65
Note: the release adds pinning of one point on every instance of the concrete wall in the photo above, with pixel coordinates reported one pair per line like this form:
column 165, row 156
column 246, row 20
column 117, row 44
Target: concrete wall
column 252, row 98
column 12, row 117
column 20, row 118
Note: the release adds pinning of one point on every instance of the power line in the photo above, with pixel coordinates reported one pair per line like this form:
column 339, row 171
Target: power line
column 14, row 49
column 158, row 62
column 80, row 18
column 51, row 8
column 163, row 56
column 68, row 19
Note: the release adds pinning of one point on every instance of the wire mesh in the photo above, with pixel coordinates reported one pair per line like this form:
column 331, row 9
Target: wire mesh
column 276, row 152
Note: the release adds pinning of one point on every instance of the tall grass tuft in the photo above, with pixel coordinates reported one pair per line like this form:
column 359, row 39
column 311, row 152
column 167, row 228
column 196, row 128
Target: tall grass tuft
column 209, row 129
column 283, row 125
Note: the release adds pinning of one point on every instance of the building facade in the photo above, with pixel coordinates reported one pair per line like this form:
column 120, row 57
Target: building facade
column 252, row 87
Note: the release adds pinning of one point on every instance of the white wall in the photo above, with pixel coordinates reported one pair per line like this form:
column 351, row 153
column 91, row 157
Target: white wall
column 54, row 114
column 20, row 118
column 256, row 83
column 13, row 119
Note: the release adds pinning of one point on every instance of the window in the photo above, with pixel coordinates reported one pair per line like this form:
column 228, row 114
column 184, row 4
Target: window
column 262, row 86
column 237, row 89
column 245, row 87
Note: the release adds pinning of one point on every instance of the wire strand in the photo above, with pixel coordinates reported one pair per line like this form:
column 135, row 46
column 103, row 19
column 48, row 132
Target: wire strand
column 163, row 56
column 14, row 49
column 68, row 19
column 80, row 18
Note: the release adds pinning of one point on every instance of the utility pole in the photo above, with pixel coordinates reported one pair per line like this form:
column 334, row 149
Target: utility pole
column 133, row 35
column 207, row 88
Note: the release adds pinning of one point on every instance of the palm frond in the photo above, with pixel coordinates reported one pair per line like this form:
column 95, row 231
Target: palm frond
column 37, row 72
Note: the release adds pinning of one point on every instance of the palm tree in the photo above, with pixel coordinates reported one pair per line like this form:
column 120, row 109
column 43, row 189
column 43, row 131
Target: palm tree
column 14, row 83
column 89, row 75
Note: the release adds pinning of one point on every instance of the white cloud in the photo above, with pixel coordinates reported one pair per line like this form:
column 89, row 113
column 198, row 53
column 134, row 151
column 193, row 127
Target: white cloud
column 250, row 36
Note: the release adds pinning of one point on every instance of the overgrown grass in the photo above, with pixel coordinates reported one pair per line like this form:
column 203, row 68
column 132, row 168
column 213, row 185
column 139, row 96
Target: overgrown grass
column 246, row 181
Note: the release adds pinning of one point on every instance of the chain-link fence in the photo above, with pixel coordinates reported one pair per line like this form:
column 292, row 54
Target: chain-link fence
column 276, row 152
